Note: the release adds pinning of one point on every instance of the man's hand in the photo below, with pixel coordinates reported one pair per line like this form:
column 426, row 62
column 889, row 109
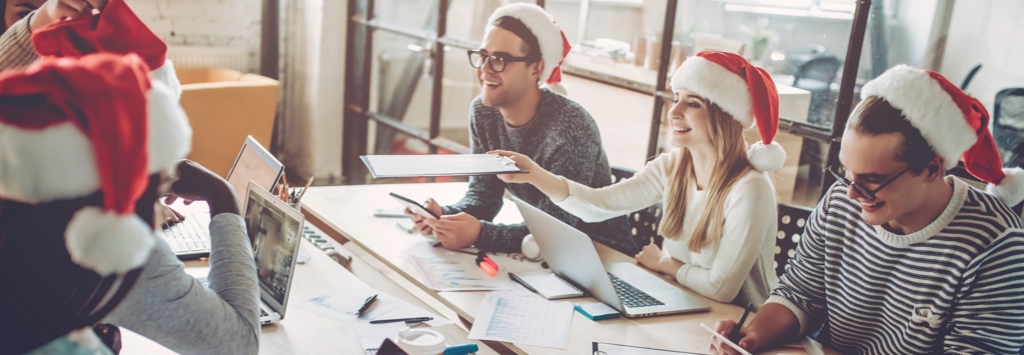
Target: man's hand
column 455, row 231
column 750, row 340
column 417, row 220
column 166, row 216
column 54, row 11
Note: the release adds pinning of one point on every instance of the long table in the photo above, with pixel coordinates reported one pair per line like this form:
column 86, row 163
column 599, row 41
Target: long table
column 346, row 214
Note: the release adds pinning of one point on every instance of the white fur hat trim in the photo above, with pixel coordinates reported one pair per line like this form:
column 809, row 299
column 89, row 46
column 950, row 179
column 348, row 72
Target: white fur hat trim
column 549, row 36
column 766, row 157
column 69, row 169
column 106, row 242
column 1011, row 189
column 717, row 84
column 928, row 107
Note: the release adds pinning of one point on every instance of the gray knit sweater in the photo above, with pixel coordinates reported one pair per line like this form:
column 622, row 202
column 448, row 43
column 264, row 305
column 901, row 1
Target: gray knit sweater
column 562, row 138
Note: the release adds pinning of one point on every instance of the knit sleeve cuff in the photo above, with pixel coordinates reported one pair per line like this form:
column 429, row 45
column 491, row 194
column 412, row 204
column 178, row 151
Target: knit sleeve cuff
column 801, row 316
column 16, row 43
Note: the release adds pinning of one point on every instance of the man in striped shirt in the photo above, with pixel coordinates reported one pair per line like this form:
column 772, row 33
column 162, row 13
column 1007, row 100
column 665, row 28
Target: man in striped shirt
column 898, row 258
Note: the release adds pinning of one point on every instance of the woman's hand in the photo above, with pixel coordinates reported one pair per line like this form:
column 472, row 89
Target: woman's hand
column 195, row 183
column 652, row 258
column 54, row 11
column 524, row 163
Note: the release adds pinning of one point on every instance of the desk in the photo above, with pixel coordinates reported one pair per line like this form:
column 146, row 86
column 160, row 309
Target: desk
column 345, row 213
column 302, row 331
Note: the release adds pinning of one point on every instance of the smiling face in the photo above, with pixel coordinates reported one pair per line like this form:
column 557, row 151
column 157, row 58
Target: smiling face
column 17, row 9
column 508, row 86
column 689, row 120
column 871, row 160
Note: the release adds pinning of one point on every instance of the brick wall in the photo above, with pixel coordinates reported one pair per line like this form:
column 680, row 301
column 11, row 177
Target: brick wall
column 209, row 23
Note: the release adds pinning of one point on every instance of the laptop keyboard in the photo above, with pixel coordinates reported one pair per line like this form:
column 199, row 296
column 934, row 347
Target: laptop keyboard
column 631, row 296
column 190, row 235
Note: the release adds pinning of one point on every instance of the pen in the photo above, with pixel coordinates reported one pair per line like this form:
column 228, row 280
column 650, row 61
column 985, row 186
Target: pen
column 461, row 349
column 366, row 304
column 521, row 282
column 415, row 319
column 725, row 340
column 735, row 335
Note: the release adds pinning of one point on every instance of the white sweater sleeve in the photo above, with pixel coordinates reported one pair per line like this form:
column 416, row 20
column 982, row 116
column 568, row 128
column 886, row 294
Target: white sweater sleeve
column 750, row 212
column 645, row 188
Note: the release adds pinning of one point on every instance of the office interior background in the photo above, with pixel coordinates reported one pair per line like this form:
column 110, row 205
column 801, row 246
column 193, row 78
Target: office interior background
column 391, row 76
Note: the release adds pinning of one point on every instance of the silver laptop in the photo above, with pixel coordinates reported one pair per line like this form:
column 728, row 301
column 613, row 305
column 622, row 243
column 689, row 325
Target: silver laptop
column 631, row 290
column 190, row 238
column 275, row 229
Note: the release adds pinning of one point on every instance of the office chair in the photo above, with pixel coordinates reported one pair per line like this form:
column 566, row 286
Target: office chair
column 792, row 220
column 1008, row 126
column 817, row 75
column 643, row 224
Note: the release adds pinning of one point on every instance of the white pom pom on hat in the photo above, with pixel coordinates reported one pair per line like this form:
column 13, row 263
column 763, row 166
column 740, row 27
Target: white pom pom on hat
column 742, row 90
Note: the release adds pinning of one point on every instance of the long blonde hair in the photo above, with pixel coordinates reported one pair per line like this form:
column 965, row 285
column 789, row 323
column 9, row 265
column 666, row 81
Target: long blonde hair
column 730, row 149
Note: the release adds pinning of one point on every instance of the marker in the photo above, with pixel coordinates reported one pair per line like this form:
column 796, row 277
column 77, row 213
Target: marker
column 366, row 304
column 416, row 319
column 489, row 267
column 735, row 335
column 461, row 349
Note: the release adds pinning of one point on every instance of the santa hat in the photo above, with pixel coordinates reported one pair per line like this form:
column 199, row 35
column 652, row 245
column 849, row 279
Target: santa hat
column 554, row 46
column 70, row 127
column 742, row 90
column 115, row 29
column 954, row 124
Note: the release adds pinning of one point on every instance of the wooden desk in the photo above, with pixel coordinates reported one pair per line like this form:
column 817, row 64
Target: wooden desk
column 345, row 213
column 302, row 331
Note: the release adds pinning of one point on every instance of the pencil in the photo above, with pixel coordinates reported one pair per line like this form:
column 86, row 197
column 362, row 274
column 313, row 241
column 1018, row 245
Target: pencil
column 304, row 188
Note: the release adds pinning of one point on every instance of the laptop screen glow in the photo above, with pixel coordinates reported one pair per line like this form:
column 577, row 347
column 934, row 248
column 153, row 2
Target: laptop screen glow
column 275, row 235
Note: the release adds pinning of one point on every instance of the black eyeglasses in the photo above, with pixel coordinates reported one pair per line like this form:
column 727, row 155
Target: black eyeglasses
column 864, row 191
column 496, row 61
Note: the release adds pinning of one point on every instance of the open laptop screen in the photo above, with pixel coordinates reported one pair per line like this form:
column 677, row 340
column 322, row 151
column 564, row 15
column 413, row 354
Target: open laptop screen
column 275, row 235
column 254, row 163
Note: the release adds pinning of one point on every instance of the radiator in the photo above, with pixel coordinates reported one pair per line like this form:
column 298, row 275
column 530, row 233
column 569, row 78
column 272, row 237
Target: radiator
column 216, row 57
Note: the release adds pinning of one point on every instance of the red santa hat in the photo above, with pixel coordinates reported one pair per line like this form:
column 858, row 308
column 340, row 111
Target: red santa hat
column 70, row 127
column 954, row 124
column 115, row 29
column 554, row 46
column 742, row 90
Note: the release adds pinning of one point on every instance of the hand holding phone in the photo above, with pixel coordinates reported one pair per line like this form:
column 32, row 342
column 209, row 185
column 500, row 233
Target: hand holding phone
column 414, row 206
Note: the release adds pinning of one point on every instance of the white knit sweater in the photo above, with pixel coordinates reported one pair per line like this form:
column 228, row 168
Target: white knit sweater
column 738, row 268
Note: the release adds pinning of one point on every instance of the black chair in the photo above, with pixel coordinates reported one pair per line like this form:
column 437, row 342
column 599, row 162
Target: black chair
column 643, row 224
column 792, row 220
column 1008, row 126
column 817, row 75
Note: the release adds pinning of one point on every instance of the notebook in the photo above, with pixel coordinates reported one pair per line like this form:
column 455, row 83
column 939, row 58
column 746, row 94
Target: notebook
column 547, row 284
column 394, row 166
column 190, row 238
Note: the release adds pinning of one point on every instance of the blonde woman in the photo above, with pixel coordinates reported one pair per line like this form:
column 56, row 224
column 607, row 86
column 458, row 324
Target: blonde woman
column 720, row 211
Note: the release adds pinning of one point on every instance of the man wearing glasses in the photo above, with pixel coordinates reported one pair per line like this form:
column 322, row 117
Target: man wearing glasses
column 521, row 49
column 899, row 258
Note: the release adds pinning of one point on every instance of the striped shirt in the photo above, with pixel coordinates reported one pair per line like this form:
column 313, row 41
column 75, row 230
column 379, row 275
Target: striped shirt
column 956, row 286
column 16, row 49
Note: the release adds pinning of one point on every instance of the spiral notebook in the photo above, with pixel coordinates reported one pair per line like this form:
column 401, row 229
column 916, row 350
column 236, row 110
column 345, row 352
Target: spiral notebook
column 547, row 284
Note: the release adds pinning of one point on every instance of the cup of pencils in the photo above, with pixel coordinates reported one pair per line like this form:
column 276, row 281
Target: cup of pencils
column 292, row 196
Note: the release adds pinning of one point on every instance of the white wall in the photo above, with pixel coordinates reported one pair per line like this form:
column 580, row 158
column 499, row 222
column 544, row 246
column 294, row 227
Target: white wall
column 989, row 32
column 209, row 23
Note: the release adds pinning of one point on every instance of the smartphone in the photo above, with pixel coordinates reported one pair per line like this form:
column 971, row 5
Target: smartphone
column 414, row 206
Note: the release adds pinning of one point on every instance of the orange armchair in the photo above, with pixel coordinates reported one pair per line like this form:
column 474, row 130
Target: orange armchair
column 223, row 107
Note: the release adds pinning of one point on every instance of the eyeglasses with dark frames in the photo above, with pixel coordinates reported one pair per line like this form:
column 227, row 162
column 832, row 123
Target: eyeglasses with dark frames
column 497, row 61
column 864, row 191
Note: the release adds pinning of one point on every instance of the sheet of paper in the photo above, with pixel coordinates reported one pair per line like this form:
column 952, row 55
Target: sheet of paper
column 616, row 349
column 448, row 270
column 391, row 166
column 523, row 319
column 341, row 305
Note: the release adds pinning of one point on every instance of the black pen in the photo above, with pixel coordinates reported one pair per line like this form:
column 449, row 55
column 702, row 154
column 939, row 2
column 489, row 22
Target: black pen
column 417, row 319
column 735, row 335
column 366, row 304
column 520, row 281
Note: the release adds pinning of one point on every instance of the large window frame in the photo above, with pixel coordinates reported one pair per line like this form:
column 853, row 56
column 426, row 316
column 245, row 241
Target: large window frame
column 357, row 114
